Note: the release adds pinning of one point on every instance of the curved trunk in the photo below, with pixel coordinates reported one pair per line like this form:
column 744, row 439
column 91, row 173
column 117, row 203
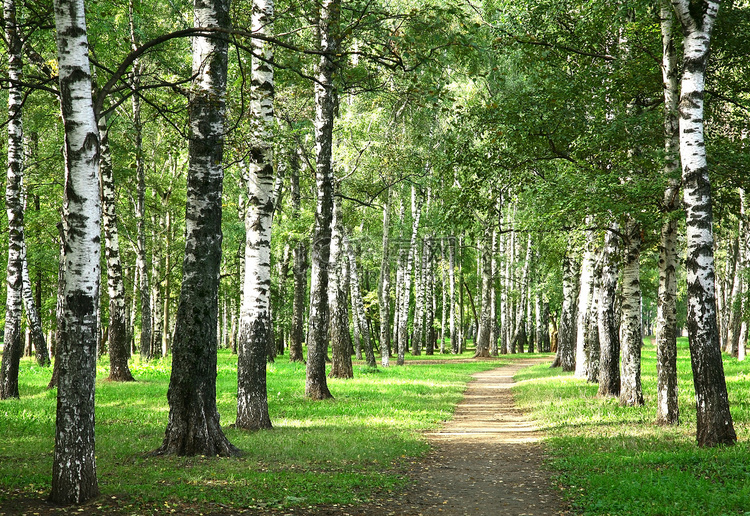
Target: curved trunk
column 714, row 420
column 609, row 331
column 74, row 464
column 193, row 427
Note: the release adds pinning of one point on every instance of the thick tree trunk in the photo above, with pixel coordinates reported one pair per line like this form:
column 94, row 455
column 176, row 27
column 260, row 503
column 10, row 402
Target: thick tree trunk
column 74, row 464
column 12, row 341
column 316, row 386
column 631, row 393
column 667, row 408
column 714, row 421
column 117, row 334
column 609, row 331
column 193, row 427
column 255, row 332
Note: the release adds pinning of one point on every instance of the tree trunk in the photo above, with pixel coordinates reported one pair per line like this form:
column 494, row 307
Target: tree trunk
column 341, row 358
column 117, row 334
column 12, row 341
column 631, row 393
column 299, row 268
column 609, row 332
column 74, row 464
column 255, row 335
column 714, row 421
column 316, row 386
column 592, row 346
column 584, row 307
column 744, row 266
column 667, row 408
column 193, row 427
column 384, row 288
column 567, row 334
column 452, row 288
column 358, row 305
column 485, row 318
column 429, row 279
column 405, row 284
column 519, row 332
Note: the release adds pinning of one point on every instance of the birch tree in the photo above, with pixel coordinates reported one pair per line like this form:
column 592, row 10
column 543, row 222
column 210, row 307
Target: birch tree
column 384, row 288
column 609, row 331
column 327, row 25
column 358, row 305
column 117, row 334
column 631, row 393
column 341, row 359
column 255, row 331
column 13, row 338
column 714, row 421
column 299, row 268
column 584, row 307
column 74, row 463
column 193, row 426
column 667, row 408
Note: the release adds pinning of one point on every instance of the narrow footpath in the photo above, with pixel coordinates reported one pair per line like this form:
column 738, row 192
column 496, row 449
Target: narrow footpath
column 486, row 461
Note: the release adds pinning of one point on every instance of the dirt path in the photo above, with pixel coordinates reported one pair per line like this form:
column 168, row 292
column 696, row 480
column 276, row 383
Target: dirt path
column 485, row 461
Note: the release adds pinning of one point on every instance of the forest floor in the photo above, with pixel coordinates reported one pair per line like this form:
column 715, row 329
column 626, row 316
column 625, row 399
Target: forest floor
column 487, row 460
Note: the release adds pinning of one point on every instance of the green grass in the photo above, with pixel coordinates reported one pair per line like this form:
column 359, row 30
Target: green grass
column 340, row 451
column 613, row 460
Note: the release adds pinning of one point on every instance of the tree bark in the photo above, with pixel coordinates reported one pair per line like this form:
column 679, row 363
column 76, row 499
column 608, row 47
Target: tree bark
column 405, row 284
column 485, row 318
column 452, row 288
column 384, row 288
column 12, row 340
column 744, row 265
column 584, row 307
column 300, row 273
column 117, row 334
column 714, row 420
column 358, row 305
column 74, row 464
column 609, row 331
column 567, row 334
column 193, row 427
column 315, row 385
column 631, row 393
column 667, row 407
column 341, row 358
column 255, row 334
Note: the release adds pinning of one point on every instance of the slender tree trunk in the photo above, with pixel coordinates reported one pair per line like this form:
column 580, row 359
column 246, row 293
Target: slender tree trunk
column 714, row 420
column 584, row 307
column 609, row 332
column 592, row 346
column 667, row 408
column 405, row 285
column 734, row 301
column 419, row 300
column 193, row 427
column 316, row 386
column 12, row 340
column 59, row 304
column 74, row 463
column 358, row 305
column 117, row 334
column 444, row 293
column 744, row 266
column 300, row 273
column 341, row 359
column 255, row 335
column 32, row 315
column 631, row 393
column 567, row 334
column 485, row 318
column 519, row 331
column 384, row 288
column 452, row 288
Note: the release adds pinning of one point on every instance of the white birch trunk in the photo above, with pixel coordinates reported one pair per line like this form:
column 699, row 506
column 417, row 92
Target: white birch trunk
column 12, row 342
column 255, row 331
column 74, row 464
column 405, row 285
column 667, row 408
column 384, row 288
column 443, row 292
column 631, row 393
column 744, row 265
column 609, row 334
column 358, row 305
column 452, row 288
column 714, row 421
column 315, row 385
column 494, row 328
column 485, row 316
column 341, row 360
column 584, row 307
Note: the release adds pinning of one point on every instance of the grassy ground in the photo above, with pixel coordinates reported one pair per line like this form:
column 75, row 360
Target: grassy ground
column 339, row 451
column 614, row 460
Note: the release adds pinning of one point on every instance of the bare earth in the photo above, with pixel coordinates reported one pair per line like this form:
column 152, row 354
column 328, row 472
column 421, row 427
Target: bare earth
column 486, row 461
